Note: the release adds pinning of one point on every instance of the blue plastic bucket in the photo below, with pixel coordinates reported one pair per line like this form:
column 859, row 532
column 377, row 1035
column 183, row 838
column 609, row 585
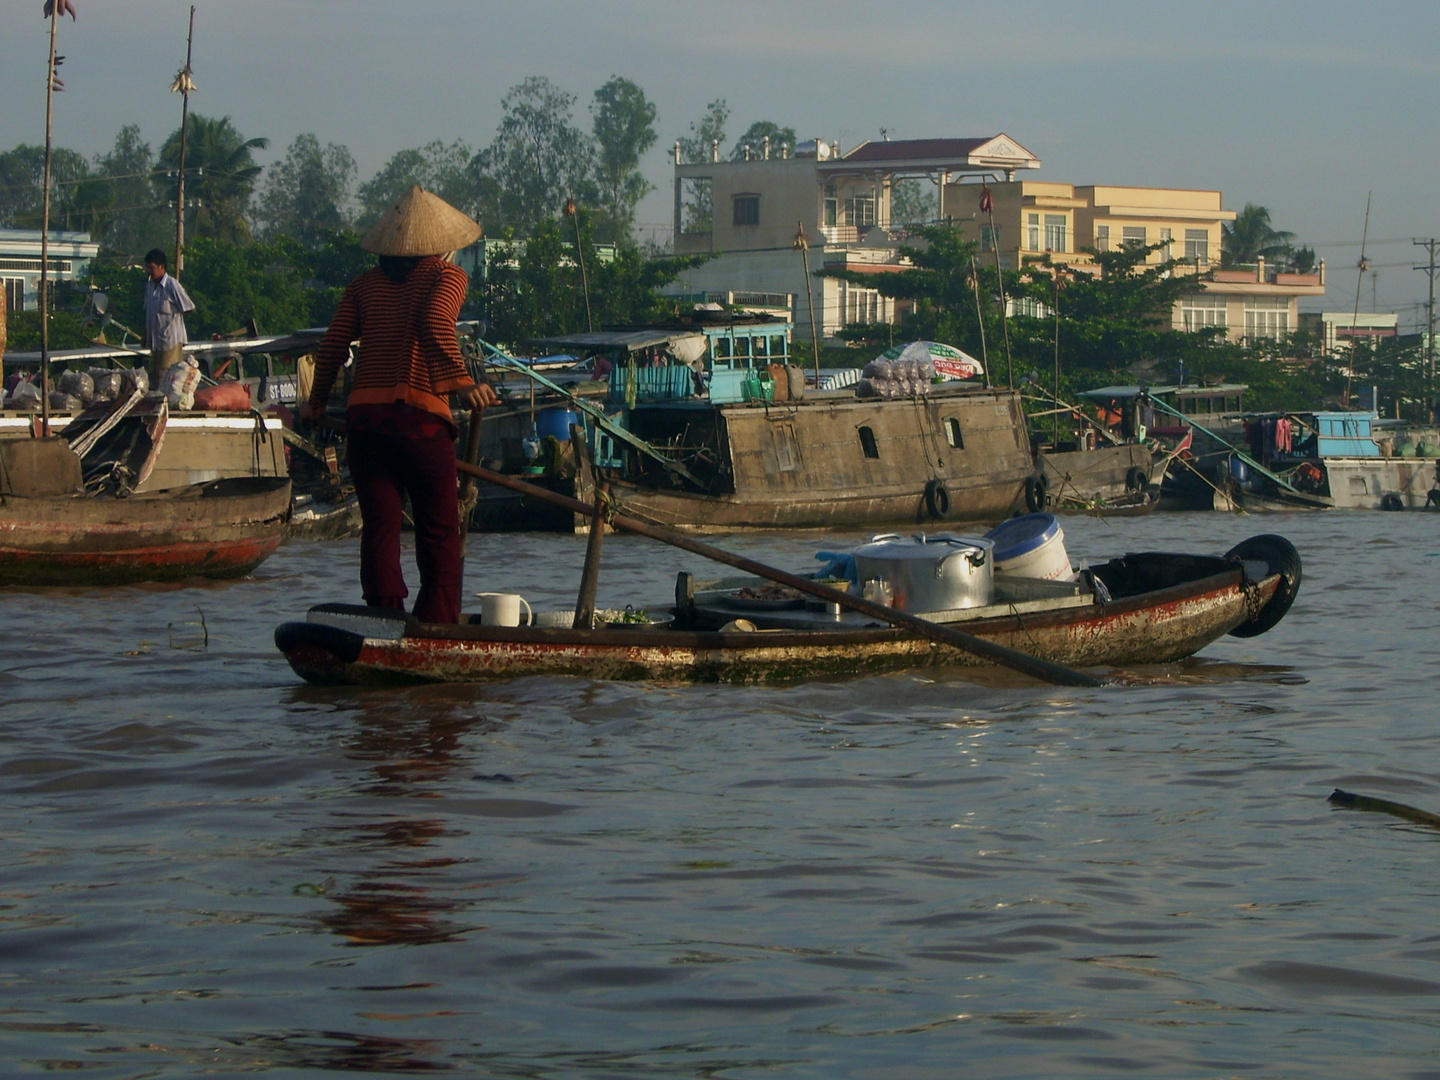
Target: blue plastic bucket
column 555, row 422
column 1032, row 545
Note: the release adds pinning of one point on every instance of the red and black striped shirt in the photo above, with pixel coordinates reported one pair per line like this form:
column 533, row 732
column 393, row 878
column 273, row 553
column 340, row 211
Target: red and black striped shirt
column 408, row 351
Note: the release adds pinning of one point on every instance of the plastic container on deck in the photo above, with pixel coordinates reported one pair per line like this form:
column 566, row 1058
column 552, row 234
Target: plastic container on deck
column 1032, row 546
column 556, row 423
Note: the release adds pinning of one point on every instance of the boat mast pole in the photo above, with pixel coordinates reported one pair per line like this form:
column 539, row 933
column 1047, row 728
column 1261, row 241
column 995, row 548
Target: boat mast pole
column 1360, row 268
column 979, row 318
column 987, row 203
column 50, row 87
column 183, row 84
column 803, row 244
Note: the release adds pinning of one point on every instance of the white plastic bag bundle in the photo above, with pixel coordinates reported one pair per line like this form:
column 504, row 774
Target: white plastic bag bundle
column 180, row 382
column 25, row 397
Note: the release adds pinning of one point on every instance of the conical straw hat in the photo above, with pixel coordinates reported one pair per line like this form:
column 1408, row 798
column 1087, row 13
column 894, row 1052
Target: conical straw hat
column 421, row 224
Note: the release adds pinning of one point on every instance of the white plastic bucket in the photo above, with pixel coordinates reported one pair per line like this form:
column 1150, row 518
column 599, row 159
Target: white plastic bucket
column 1032, row 546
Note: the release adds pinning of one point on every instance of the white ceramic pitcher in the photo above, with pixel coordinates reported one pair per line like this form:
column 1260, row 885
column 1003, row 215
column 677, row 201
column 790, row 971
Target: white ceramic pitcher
column 503, row 609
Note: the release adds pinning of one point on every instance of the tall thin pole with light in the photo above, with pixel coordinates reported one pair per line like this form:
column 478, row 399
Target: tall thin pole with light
column 52, row 83
column 182, row 85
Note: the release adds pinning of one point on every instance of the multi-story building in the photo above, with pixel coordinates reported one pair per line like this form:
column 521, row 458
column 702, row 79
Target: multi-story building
column 1339, row 330
column 748, row 214
column 1034, row 220
column 70, row 255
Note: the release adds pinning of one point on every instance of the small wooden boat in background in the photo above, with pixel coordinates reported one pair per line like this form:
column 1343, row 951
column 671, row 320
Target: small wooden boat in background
column 1139, row 609
column 51, row 533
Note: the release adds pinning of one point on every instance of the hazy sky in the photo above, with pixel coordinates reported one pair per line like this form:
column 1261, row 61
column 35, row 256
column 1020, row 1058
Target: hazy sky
column 1303, row 107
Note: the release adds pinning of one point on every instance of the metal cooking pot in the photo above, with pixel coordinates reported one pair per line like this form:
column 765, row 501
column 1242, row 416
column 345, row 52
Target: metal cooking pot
column 931, row 573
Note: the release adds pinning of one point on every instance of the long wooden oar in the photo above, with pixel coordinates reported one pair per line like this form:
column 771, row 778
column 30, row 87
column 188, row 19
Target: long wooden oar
column 1047, row 670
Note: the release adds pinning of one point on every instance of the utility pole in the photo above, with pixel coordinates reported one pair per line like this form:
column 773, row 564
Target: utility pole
column 183, row 85
column 52, row 84
column 1429, row 268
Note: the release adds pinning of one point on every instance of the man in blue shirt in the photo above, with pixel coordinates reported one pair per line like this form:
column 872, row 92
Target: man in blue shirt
column 166, row 303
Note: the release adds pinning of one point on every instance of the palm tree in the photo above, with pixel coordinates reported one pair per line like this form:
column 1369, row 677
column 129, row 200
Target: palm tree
column 1251, row 237
column 220, row 177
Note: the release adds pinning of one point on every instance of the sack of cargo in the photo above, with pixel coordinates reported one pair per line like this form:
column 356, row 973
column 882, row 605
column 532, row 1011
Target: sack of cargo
column 79, row 385
column 229, row 396
column 179, row 383
column 25, row 397
column 63, row 402
column 109, row 383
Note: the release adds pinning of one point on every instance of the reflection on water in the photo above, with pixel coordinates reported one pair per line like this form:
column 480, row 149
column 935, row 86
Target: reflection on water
column 211, row 868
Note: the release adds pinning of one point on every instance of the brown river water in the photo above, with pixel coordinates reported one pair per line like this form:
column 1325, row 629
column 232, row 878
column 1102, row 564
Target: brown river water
column 209, row 868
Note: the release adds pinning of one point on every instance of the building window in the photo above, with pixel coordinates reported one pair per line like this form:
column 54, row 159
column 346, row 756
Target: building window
column 1055, row 232
column 1102, row 237
column 1165, row 237
column 861, row 306
column 1267, row 316
column 747, row 209
column 868, row 446
column 1034, row 229
column 14, row 294
column 1203, row 311
column 989, row 237
column 1197, row 245
column 1133, row 235
column 860, row 210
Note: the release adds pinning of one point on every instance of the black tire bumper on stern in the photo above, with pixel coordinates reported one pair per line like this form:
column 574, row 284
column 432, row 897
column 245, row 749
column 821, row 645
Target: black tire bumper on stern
column 1278, row 556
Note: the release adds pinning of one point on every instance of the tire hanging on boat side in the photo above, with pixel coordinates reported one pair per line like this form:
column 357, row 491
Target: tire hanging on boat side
column 1279, row 557
column 1136, row 479
column 1035, row 489
column 937, row 499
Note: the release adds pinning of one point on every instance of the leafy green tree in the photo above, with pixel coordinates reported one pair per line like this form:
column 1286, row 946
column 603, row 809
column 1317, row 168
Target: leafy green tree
column 912, row 203
column 22, row 172
column 535, row 288
column 440, row 168
column 754, row 140
column 136, row 222
column 706, row 136
column 220, row 177
column 623, row 123
column 538, row 157
column 232, row 283
column 706, row 133
column 306, row 194
column 1251, row 237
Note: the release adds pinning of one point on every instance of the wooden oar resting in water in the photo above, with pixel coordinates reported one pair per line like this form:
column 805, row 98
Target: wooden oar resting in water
column 1351, row 801
column 1033, row 666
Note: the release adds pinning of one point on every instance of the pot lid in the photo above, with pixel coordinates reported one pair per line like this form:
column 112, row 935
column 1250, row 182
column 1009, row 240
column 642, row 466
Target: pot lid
column 920, row 546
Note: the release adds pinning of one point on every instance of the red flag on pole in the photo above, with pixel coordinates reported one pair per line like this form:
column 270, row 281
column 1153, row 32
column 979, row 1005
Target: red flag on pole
column 987, row 202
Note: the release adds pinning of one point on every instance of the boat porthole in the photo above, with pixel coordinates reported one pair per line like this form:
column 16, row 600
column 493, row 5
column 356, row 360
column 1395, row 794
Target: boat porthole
column 937, row 500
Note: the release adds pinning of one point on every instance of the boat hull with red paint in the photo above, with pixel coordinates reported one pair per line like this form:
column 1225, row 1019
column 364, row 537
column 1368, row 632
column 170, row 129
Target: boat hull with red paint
column 1140, row 609
column 220, row 529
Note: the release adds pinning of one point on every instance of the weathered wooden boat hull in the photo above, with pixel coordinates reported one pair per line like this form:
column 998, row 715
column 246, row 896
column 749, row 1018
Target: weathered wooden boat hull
column 829, row 461
column 224, row 528
column 1156, row 627
column 1092, row 479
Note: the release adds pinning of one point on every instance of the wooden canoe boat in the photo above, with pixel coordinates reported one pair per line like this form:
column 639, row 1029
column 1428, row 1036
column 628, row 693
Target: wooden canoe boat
column 224, row 528
column 1139, row 609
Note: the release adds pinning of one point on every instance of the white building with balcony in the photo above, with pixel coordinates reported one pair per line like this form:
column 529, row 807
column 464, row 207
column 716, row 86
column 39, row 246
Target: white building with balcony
column 70, row 255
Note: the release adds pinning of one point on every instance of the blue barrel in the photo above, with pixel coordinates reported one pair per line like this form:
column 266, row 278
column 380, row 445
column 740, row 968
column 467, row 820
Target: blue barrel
column 555, row 422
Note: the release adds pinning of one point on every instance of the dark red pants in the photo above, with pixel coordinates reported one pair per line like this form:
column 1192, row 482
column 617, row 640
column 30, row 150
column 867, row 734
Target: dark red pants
column 385, row 469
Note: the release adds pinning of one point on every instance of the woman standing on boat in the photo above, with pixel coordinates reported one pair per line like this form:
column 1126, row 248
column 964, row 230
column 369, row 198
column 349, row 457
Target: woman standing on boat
column 399, row 432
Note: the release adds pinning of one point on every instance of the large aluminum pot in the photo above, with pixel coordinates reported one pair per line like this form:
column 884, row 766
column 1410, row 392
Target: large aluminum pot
column 931, row 573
